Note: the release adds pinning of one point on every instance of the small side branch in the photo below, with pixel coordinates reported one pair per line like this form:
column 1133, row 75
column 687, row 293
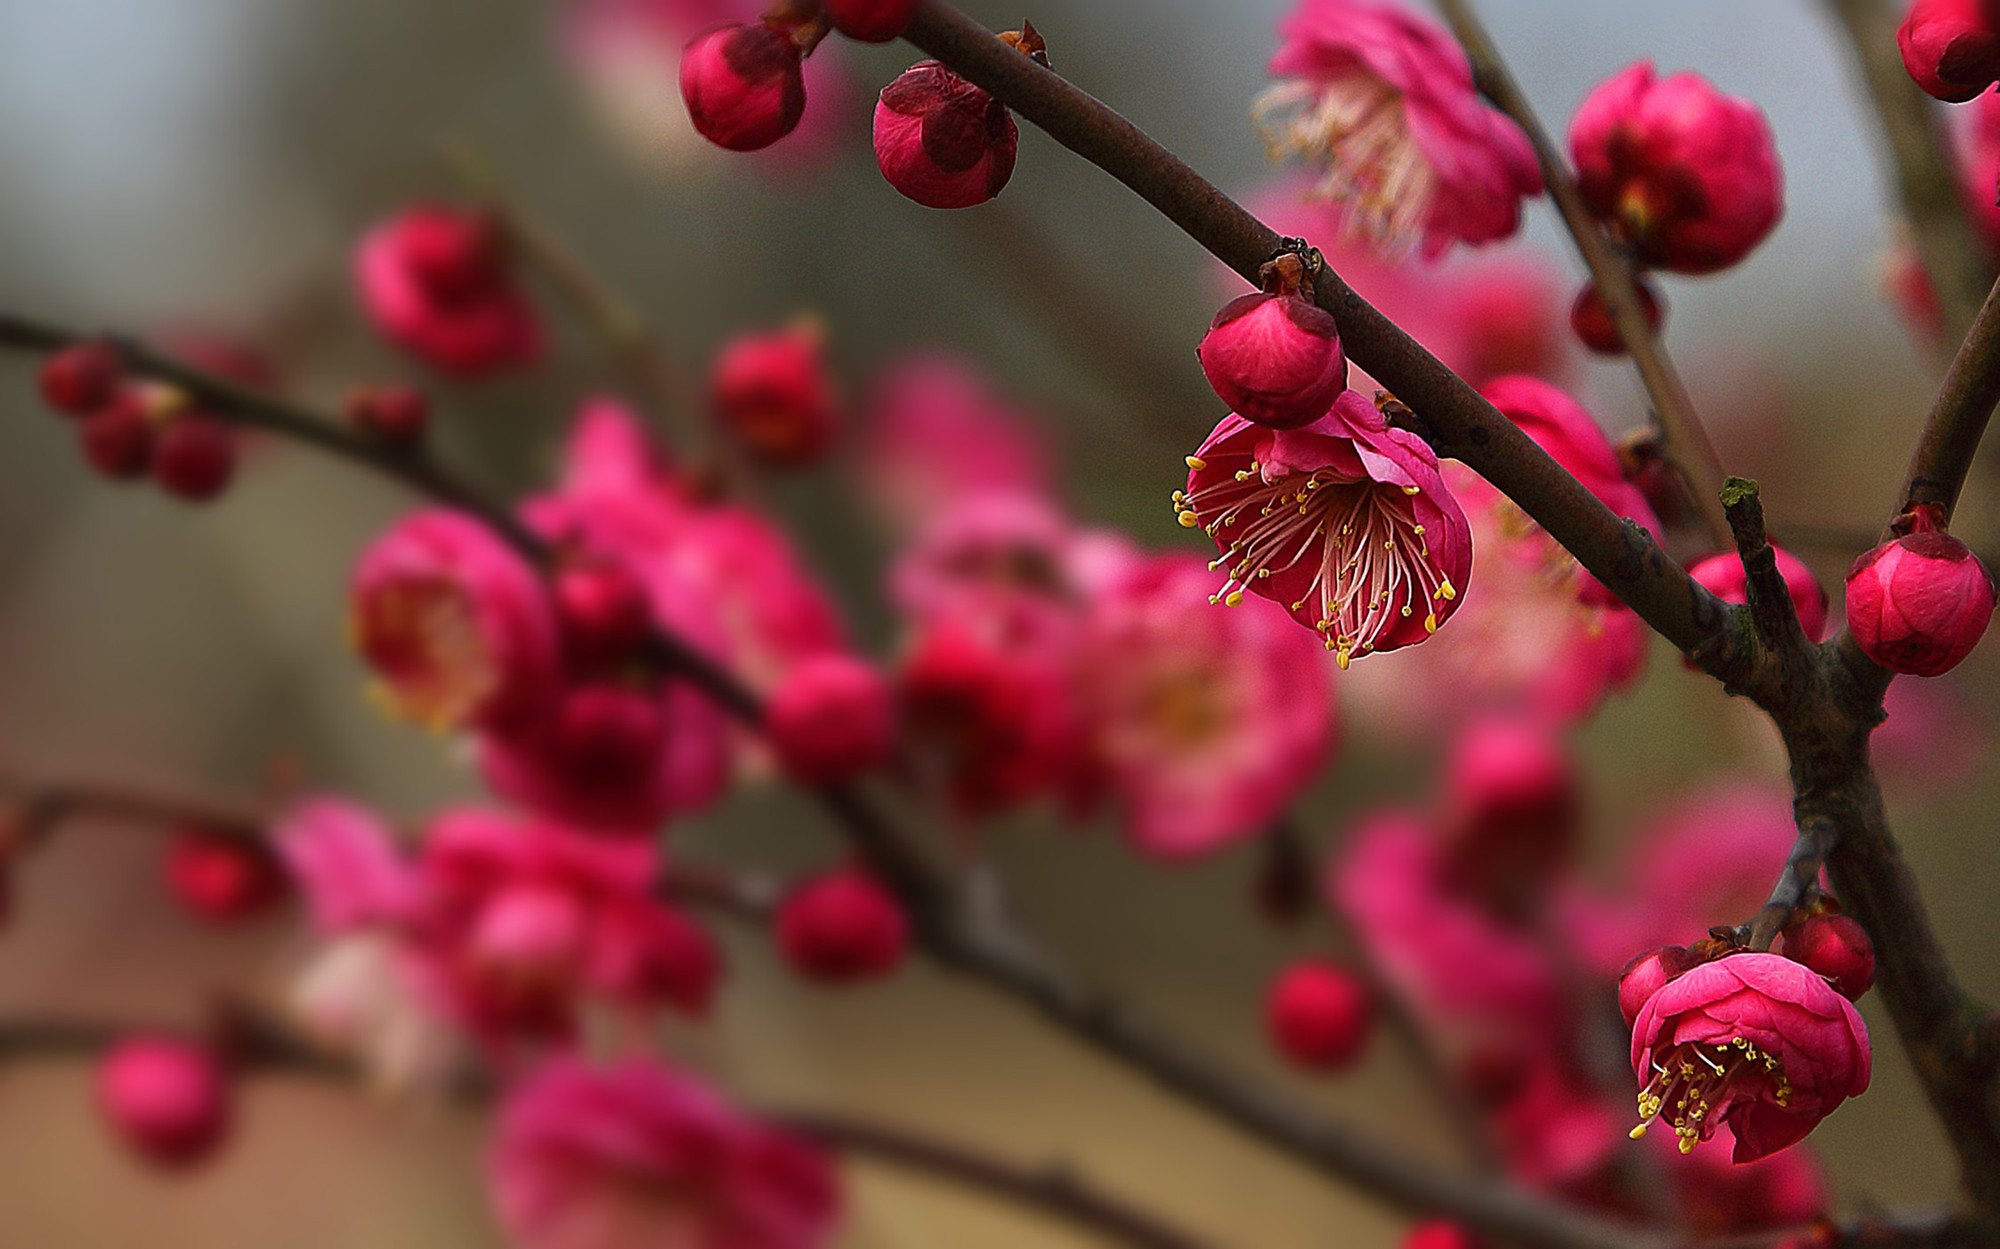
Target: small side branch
column 1772, row 612
column 1797, row 882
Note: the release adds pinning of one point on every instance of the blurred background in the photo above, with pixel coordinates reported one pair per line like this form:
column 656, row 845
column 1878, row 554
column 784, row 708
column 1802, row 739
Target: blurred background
column 204, row 167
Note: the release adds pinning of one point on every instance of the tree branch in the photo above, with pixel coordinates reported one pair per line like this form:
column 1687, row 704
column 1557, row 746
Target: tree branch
column 1958, row 420
column 1456, row 420
column 1772, row 612
column 1684, row 438
column 1958, row 262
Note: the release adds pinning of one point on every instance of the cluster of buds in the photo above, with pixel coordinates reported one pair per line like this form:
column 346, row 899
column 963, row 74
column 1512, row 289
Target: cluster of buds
column 129, row 428
column 1685, row 178
column 1919, row 604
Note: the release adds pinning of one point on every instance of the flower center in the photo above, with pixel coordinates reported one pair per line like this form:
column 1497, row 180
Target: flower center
column 1368, row 559
column 423, row 637
column 1355, row 125
column 1692, row 1082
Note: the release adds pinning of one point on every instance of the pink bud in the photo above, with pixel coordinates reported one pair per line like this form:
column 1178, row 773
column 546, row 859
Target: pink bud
column 1722, row 575
column 395, row 414
column 842, row 928
column 942, row 141
column 772, row 391
column 1836, row 947
column 831, row 719
column 117, row 439
column 871, row 21
column 1951, row 47
column 195, row 458
column 1919, row 605
column 80, row 379
column 605, row 614
column 743, row 86
column 1686, row 176
column 167, row 1098
column 1275, row 357
column 1591, row 318
column 223, row 879
column 1648, row 974
column 435, row 281
column 1319, row 1015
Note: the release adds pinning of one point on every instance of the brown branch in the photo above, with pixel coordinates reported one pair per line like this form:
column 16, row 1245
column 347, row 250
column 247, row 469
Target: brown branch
column 1454, row 417
column 1959, row 263
column 1772, row 613
column 1798, row 881
column 1958, row 420
column 1683, row 436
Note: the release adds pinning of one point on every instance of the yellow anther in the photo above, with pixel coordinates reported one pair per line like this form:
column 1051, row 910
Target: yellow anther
column 1196, row 463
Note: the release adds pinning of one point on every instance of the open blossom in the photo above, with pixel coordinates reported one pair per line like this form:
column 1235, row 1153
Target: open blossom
column 454, row 622
column 1346, row 522
column 1207, row 724
column 1383, row 101
column 641, row 1156
column 1686, row 176
column 435, row 282
column 1753, row 1042
column 1951, row 47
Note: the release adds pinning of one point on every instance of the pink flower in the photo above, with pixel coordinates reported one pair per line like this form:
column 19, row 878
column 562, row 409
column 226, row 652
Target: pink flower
column 1920, row 604
column 346, row 863
column 1754, row 1042
column 1384, row 101
column 1685, row 176
column 1722, row 575
column 1951, row 47
column 455, row 623
column 772, row 393
column 1513, row 807
column 640, row 1156
column 942, row 141
column 1207, row 724
column 435, row 281
column 167, row 1098
column 1566, row 430
column 1346, row 522
column 937, row 432
column 1005, row 556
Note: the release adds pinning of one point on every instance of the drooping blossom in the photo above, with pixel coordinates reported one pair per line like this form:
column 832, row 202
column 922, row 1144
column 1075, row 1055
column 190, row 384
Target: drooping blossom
column 937, row 432
column 1206, row 724
column 1345, row 522
column 1920, row 604
column 1319, row 1015
column 1383, row 103
column 435, row 281
column 1685, row 176
column 1752, row 1042
column 1951, row 47
column 454, row 622
column 640, row 1155
column 1722, row 575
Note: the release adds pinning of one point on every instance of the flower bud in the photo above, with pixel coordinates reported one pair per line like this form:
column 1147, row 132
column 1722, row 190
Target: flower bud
column 1722, row 575
column 1836, row 947
column 1439, row 1234
column 1686, row 176
column 394, row 414
column 195, row 458
column 80, row 379
column 1591, row 318
column 1275, row 357
column 831, row 719
column 166, row 1098
column 942, row 141
column 871, row 21
column 117, row 439
column 435, row 281
column 743, row 85
column 1951, row 47
column 842, row 928
column 223, row 879
column 1919, row 605
column 605, row 614
column 1648, row 974
column 773, row 393
column 1319, row 1015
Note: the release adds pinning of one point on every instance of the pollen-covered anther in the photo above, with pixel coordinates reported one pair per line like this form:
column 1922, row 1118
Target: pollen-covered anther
column 1696, row 1079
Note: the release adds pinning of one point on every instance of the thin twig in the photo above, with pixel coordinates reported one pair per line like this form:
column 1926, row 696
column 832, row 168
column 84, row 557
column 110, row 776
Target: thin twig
column 1772, row 612
column 1797, row 882
column 1958, row 420
column 1683, row 436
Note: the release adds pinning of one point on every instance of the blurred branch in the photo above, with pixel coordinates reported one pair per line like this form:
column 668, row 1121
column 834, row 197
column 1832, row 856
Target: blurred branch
column 1682, row 435
column 1957, row 261
column 259, row 1045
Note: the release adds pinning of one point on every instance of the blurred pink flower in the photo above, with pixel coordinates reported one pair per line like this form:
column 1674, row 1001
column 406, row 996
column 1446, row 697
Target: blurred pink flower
column 347, row 865
column 1346, row 523
column 455, row 622
column 1383, row 102
column 434, row 280
column 1933, row 739
column 1207, row 723
column 643, row 1156
column 936, row 432
column 1754, row 1042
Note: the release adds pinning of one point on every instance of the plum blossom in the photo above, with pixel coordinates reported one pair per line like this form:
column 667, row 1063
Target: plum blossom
column 435, row 282
column 936, row 432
